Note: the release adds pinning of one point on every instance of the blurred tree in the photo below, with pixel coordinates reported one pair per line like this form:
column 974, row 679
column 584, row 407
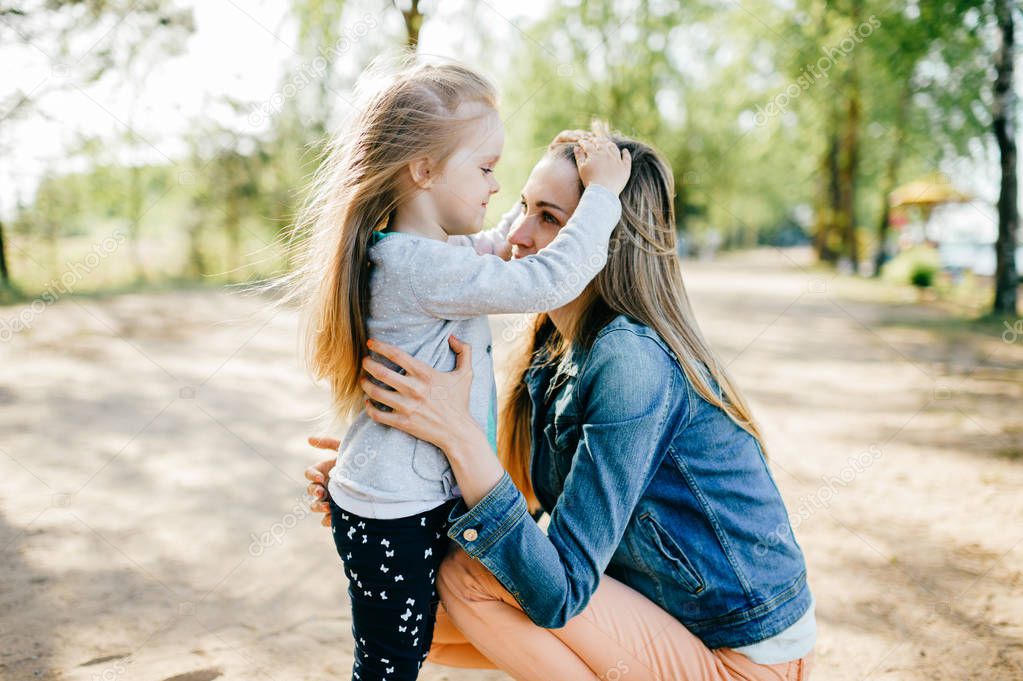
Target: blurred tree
column 83, row 40
column 135, row 195
column 930, row 97
column 597, row 59
column 320, row 35
column 224, row 177
column 5, row 276
column 849, row 161
column 1004, row 123
column 898, row 87
column 413, row 16
column 775, row 116
column 54, row 200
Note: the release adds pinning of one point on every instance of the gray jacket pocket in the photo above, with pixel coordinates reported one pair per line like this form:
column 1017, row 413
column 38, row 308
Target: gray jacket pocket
column 428, row 462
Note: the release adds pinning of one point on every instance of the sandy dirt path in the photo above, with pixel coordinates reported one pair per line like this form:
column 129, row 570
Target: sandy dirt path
column 154, row 527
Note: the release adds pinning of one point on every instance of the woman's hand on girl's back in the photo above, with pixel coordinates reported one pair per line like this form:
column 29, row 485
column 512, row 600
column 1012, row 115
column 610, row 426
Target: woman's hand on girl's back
column 600, row 161
column 433, row 405
column 425, row 403
column 317, row 476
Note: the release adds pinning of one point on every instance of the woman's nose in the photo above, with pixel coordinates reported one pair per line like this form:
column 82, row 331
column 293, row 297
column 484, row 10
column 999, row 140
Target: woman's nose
column 519, row 235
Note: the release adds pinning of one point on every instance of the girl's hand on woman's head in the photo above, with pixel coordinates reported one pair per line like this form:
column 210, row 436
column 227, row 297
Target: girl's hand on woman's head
column 600, row 161
column 317, row 475
column 570, row 137
column 428, row 404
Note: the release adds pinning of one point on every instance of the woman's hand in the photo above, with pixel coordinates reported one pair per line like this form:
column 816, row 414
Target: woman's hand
column 427, row 404
column 317, row 476
column 433, row 406
column 600, row 161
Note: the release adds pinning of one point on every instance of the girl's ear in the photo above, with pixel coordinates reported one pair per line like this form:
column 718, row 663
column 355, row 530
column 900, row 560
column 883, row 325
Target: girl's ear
column 422, row 172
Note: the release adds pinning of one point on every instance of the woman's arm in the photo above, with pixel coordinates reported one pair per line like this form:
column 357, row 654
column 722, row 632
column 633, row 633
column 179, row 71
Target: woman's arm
column 629, row 386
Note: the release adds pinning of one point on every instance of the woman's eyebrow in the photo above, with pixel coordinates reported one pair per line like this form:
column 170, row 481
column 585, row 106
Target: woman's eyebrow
column 548, row 204
column 544, row 204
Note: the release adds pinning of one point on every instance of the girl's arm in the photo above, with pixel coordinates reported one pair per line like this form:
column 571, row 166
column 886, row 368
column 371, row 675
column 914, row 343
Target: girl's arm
column 455, row 283
column 493, row 241
column 625, row 431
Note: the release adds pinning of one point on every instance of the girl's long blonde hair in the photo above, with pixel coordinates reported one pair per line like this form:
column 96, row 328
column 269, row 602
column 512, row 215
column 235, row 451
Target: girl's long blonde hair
column 362, row 178
column 643, row 280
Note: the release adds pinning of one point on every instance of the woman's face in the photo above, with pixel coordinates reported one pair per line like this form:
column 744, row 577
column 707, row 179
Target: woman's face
column 549, row 198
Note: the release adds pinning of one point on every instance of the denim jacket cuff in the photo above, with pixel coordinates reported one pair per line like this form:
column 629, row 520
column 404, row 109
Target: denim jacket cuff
column 478, row 528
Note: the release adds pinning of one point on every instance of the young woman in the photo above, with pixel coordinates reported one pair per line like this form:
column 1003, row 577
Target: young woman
column 669, row 554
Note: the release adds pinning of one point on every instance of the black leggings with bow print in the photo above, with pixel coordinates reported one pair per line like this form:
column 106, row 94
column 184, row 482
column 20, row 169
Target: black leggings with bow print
column 391, row 565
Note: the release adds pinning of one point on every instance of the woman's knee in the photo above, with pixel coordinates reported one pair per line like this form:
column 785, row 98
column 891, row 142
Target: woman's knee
column 454, row 575
column 465, row 579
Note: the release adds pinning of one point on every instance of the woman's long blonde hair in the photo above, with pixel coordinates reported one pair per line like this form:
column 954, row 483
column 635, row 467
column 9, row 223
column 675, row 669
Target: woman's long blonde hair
column 362, row 178
column 643, row 280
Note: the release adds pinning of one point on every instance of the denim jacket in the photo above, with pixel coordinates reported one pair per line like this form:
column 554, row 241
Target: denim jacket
column 647, row 482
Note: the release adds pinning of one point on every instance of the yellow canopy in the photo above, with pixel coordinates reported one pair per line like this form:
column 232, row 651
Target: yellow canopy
column 927, row 192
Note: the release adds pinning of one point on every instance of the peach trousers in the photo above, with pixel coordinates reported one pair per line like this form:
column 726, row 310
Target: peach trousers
column 620, row 636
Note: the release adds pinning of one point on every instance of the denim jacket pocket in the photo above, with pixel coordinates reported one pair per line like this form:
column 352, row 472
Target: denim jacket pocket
column 690, row 579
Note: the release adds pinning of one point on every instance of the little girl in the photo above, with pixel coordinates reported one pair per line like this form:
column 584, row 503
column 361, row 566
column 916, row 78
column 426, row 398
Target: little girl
column 395, row 254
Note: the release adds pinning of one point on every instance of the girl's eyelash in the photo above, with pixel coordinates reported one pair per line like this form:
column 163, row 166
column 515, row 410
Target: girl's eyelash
column 487, row 170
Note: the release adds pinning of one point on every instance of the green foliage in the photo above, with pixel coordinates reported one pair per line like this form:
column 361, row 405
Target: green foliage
column 728, row 92
column 918, row 266
column 923, row 275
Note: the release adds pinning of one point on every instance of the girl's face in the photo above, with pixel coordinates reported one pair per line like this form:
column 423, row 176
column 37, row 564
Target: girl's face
column 549, row 198
column 465, row 184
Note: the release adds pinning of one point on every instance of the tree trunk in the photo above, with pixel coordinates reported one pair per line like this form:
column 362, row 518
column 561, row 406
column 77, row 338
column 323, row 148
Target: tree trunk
column 232, row 228
column 5, row 275
column 135, row 197
column 829, row 196
column 196, row 267
column 891, row 179
column 850, row 158
column 1004, row 110
column 847, row 178
column 413, row 22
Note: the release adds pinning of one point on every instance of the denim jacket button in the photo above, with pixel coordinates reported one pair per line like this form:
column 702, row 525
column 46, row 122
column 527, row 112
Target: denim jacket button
column 470, row 535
